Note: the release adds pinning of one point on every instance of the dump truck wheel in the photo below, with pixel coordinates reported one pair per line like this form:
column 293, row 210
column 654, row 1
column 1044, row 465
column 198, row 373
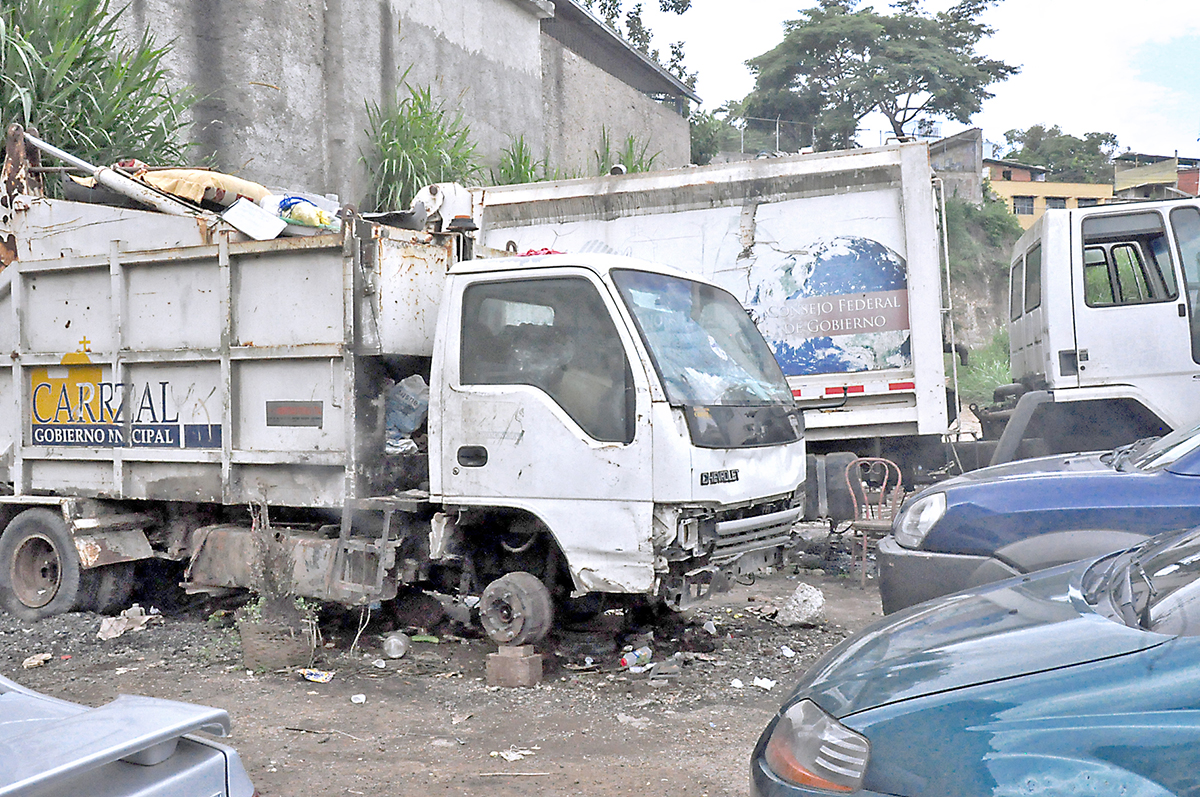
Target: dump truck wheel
column 515, row 609
column 107, row 589
column 39, row 566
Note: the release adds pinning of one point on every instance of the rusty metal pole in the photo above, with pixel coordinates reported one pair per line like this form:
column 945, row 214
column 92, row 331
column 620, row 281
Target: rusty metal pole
column 139, row 192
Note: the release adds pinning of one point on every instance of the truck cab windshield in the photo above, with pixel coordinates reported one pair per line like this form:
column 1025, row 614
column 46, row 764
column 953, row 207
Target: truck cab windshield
column 711, row 360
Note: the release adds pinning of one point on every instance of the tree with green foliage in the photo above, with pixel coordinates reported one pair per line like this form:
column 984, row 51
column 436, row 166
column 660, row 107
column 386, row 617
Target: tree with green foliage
column 838, row 63
column 414, row 142
column 64, row 72
column 1067, row 158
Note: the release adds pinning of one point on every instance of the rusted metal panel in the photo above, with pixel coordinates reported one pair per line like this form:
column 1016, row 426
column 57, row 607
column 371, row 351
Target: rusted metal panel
column 110, row 547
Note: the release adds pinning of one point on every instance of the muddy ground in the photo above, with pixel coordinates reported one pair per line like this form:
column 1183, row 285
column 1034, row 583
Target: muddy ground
column 430, row 724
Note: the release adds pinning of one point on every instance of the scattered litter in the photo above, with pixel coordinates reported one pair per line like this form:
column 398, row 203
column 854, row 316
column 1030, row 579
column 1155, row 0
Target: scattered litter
column 135, row 618
column 65, row 656
column 379, row 664
column 641, row 723
column 358, row 699
column 787, row 652
column 736, row 683
column 432, row 640
column 317, row 676
column 638, row 669
column 514, row 753
column 636, row 658
column 710, row 627
column 669, row 668
column 123, row 670
column 36, row 660
column 806, row 606
column 765, row 684
column 513, row 774
column 459, row 718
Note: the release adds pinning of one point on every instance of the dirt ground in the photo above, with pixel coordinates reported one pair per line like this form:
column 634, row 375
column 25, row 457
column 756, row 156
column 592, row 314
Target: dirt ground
column 430, row 724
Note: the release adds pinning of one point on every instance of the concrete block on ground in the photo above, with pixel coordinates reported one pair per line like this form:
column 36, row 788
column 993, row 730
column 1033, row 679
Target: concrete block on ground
column 515, row 665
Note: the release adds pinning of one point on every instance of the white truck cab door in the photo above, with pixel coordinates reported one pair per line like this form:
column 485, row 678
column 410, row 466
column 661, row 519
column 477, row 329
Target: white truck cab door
column 1132, row 316
column 542, row 407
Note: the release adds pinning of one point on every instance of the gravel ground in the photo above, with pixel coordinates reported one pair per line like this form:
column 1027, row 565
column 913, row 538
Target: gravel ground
column 430, row 723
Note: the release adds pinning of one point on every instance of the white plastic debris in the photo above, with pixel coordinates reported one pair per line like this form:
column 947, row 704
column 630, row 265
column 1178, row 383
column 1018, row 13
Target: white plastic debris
column 787, row 652
column 379, row 664
column 358, row 699
column 514, row 753
column 806, row 606
column 736, row 683
column 36, row 660
column 641, row 723
column 134, row 618
column 711, row 627
column 765, row 684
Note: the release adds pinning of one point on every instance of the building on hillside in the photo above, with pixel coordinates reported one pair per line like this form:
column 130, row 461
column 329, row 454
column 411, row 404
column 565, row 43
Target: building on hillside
column 1028, row 192
column 1137, row 175
column 958, row 161
column 284, row 87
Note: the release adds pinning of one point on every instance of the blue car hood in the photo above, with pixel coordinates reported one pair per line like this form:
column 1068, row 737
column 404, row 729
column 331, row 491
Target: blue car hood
column 1059, row 463
column 1003, row 630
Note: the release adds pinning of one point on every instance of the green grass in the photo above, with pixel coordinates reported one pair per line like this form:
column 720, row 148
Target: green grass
column 416, row 141
column 988, row 370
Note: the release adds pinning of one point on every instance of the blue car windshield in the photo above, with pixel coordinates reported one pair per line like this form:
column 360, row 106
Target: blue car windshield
column 1166, row 450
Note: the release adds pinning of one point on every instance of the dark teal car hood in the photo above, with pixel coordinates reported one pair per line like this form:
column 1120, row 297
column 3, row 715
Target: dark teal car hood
column 969, row 638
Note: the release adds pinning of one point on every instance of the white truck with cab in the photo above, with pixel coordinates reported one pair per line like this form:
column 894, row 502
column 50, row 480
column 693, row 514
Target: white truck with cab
column 836, row 255
column 596, row 425
column 1104, row 331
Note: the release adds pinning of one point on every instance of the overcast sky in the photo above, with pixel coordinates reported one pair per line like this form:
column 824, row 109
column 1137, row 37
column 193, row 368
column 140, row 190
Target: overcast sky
column 1132, row 69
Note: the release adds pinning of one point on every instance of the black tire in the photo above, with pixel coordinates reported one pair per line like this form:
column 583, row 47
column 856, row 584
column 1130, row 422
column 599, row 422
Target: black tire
column 107, row 589
column 574, row 611
column 515, row 609
column 39, row 566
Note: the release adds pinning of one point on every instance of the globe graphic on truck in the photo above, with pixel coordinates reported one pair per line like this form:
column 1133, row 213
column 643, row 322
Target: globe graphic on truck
column 837, row 306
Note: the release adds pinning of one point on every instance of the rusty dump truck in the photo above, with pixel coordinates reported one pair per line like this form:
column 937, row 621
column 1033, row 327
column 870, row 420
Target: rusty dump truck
column 254, row 411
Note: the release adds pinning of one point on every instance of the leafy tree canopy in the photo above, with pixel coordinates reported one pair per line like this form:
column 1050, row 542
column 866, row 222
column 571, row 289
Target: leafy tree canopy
column 1067, row 158
column 837, row 63
column 63, row 72
column 640, row 36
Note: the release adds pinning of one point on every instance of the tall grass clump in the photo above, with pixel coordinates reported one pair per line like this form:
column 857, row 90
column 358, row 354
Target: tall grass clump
column 518, row 164
column 413, row 142
column 64, row 72
column 988, row 370
column 630, row 153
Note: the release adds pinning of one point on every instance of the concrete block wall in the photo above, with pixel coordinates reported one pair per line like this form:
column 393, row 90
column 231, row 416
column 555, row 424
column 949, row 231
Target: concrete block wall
column 580, row 99
column 283, row 87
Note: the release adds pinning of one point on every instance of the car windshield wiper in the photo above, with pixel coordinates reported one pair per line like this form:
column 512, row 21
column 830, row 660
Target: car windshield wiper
column 1151, row 592
column 1122, row 454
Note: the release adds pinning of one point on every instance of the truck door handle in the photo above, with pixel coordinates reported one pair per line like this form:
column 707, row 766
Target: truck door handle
column 472, row 456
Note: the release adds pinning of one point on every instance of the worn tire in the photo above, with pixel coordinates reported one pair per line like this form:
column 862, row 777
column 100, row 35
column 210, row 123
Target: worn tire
column 515, row 609
column 107, row 589
column 39, row 567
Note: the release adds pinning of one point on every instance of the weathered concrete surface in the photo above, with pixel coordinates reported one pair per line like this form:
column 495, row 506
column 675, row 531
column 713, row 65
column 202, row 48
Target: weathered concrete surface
column 580, row 99
column 283, row 87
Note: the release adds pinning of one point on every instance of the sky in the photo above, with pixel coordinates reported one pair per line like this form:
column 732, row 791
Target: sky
column 1131, row 69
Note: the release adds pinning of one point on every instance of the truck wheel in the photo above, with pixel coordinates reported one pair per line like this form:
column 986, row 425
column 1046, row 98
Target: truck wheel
column 107, row 589
column 515, row 609
column 39, row 566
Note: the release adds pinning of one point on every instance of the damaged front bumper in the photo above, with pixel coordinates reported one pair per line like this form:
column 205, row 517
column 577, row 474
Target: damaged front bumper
column 710, row 547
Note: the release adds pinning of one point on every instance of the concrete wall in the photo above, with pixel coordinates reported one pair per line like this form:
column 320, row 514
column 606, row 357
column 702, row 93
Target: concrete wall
column 579, row 99
column 283, row 87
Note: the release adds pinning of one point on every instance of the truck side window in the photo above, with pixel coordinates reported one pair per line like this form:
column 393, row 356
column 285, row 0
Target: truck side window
column 1033, row 278
column 1097, row 286
column 1126, row 260
column 1186, row 223
column 1016, row 284
column 556, row 335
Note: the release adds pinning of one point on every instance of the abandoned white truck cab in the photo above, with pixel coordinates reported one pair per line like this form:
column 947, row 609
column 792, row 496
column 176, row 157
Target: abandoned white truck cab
column 255, row 409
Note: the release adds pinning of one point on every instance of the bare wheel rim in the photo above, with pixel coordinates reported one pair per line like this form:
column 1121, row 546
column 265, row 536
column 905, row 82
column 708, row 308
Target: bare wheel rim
column 36, row 571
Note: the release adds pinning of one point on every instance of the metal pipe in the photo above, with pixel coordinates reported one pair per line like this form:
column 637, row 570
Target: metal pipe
column 139, row 192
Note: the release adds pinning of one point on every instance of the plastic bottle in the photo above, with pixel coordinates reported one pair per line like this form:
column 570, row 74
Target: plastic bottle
column 396, row 645
column 637, row 657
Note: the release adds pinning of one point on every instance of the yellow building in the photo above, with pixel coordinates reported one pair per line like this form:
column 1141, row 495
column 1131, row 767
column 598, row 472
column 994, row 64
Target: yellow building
column 1029, row 194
